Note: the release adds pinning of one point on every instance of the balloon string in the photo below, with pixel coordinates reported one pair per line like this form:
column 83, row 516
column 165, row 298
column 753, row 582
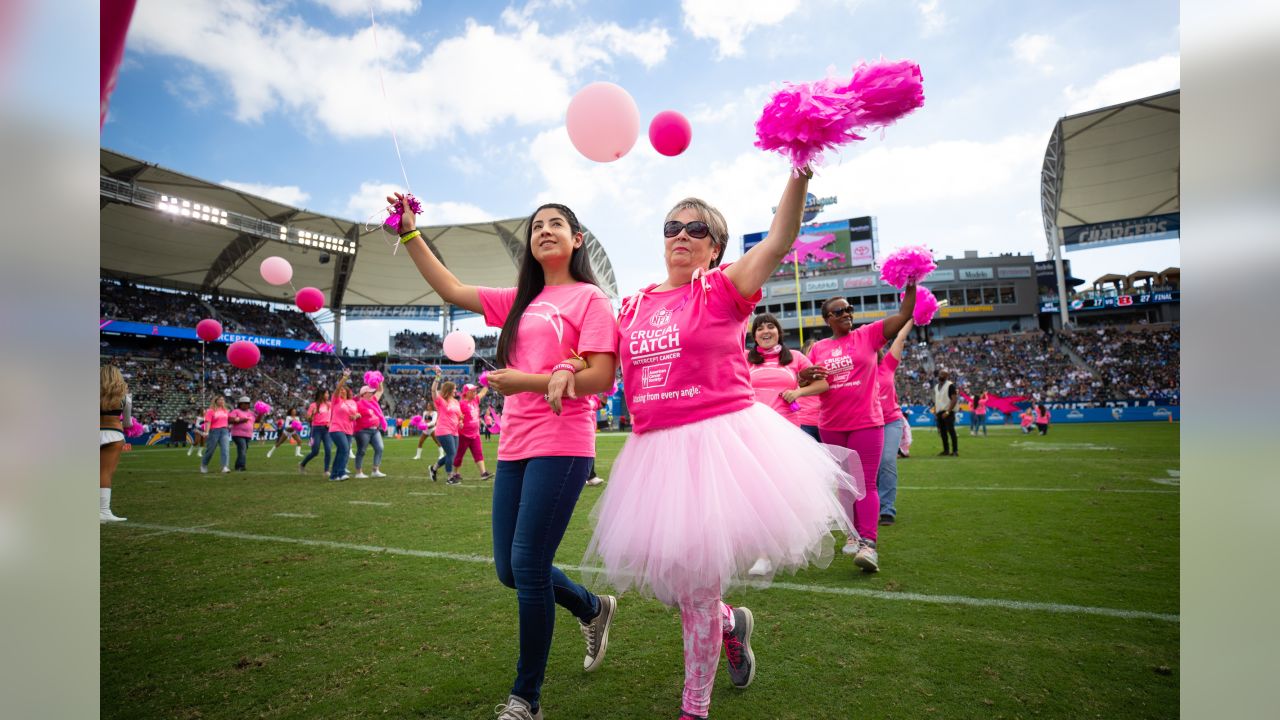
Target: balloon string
column 391, row 126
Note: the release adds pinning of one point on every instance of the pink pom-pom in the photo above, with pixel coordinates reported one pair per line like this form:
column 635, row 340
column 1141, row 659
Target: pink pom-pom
column 393, row 219
column 261, row 408
column 926, row 305
column 373, row 379
column 135, row 429
column 416, row 420
column 794, row 406
column 296, row 425
column 484, row 378
column 886, row 91
column 907, row 265
column 801, row 121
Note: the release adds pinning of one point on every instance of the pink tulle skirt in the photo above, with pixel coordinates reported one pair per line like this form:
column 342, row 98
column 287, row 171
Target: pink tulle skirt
column 697, row 506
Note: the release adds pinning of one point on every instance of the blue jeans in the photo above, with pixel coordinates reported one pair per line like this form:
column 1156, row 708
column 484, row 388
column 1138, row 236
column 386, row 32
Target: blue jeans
column 220, row 438
column 319, row 436
column 242, row 451
column 812, row 431
column 450, row 445
column 365, row 438
column 341, row 447
column 533, row 501
column 887, row 478
column 982, row 422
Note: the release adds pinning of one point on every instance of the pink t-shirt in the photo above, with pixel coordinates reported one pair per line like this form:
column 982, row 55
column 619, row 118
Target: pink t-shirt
column 340, row 419
column 1027, row 418
column 244, row 429
column 215, row 418
column 448, row 416
column 769, row 379
column 981, row 409
column 853, row 401
column 319, row 414
column 470, row 418
column 683, row 352
column 889, row 406
column 370, row 414
column 561, row 320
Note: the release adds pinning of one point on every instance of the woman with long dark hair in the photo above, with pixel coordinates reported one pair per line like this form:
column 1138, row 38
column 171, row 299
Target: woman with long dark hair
column 775, row 369
column 318, row 415
column 555, row 348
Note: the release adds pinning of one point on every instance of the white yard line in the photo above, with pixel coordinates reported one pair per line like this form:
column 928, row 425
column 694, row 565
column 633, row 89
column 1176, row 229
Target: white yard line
column 295, row 515
column 819, row 589
column 368, row 502
column 1034, row 489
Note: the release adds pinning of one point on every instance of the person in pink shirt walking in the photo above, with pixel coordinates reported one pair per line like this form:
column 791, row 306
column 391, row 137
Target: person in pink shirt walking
column 557, row 346
column 448, row 425
column 219, row 435
column 343, row 414
column 469, row 431
column 318, row 415
column 845, row 375
column 369, row 429
column 774, row 371
column 241, row 421
column 711, row 483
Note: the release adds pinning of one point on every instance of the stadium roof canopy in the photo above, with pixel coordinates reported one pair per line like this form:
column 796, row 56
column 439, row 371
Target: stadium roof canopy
column 165, row 228
column 1107, row 166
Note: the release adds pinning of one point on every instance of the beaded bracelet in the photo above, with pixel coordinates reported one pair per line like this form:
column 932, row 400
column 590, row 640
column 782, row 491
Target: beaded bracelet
column 563, row 366
column 409, row 236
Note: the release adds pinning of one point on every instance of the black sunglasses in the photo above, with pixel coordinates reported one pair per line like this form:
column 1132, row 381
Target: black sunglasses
column 696, row 229
column 846, row 310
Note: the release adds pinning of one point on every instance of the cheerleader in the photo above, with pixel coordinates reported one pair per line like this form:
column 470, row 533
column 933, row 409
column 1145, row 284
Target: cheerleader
column 115, row 413
column 288, row 433
column 429, row 431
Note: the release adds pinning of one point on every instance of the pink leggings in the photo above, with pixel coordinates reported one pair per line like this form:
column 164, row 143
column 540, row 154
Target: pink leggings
column 868, row 443
column 468, row 443
column 704, row 620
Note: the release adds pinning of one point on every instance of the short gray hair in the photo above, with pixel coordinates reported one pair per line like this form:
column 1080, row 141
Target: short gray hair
column 713, row 219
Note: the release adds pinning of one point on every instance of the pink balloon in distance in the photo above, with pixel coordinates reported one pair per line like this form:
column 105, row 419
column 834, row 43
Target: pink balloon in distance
column 309, row 299
column 243, row 354
column 209, row 329
column 603, row 122
column 276, row 270
column 670, row 133
column 459, row 346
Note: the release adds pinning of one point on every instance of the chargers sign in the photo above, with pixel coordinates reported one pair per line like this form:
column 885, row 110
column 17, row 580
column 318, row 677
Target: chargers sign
column 1121, row 232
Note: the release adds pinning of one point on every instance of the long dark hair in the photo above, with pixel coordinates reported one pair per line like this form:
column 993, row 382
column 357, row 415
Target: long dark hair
column 530, row 279
column 754, row 357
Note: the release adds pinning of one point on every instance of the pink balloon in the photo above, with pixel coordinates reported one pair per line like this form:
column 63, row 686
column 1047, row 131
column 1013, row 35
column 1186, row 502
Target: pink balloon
column 459, row 346
column 276, row 270
column 243, row 354
column 603, row 121
column 670, row 133
column 309, row 299
column 209, row 329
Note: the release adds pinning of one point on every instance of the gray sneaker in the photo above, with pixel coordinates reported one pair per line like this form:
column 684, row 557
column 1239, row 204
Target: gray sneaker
column 737, row 649
column 517, row 708
column 596, row 633
column 867, row 558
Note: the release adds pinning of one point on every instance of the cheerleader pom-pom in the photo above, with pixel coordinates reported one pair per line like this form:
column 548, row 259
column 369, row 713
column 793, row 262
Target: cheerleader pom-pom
column 373, row 379
column 484, row 378
column 296, row 425
column 802, row 121
column 416, row 420
column 907, row 265
column 392, row 223
column 261, row 408
column 926, row 305
column 135, row 429
column 886, row 91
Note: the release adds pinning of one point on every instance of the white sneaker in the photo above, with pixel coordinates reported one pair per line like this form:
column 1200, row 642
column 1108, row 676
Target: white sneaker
column 867, row 558
column 516, row 708
column 378, row 473
column 204, row 469
column 189, row 450
column 851, row 545
column 441, row 454
column 105, row 516
column 360, row 475
column 297, row 452
column 352, row 453
column 270, row 451
column 762, row 567
column 596, row 633
column 418, row 456
column 226, row 469
column 596, row 480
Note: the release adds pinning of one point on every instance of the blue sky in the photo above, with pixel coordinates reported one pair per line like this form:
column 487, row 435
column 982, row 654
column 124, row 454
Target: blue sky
column 283, row 98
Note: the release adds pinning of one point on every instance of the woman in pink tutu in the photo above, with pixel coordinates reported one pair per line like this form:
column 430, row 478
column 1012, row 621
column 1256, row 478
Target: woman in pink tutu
column 710, row 482
column 557, row 335
column 844, row 374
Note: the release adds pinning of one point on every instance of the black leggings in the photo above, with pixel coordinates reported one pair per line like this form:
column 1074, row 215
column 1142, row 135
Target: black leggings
column 947, row 429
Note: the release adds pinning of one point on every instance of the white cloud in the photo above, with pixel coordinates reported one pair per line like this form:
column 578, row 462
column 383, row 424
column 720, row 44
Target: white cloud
column 370, row 201
column 348, row 8
column 1031, row 48
column 1129, row 83
column 933, row 17
column 467, row 83
column 283, row 194
column 728, row 23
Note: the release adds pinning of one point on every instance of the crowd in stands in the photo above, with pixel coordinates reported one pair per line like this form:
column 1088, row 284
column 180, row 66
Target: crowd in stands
column 430, row 345
column 1132, row 362
column 1012, row 364
column 126, row 301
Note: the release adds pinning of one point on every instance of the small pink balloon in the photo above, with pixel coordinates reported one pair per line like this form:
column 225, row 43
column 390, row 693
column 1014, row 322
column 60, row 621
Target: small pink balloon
column 670, row 133
column 603, row 121
column 276, row 270
column 309, row 299
column 243, row 354
column 459, row 346
column 209, row 329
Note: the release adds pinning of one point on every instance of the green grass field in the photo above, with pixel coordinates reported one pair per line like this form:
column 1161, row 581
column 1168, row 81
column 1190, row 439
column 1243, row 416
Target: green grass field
column 1030, row 577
